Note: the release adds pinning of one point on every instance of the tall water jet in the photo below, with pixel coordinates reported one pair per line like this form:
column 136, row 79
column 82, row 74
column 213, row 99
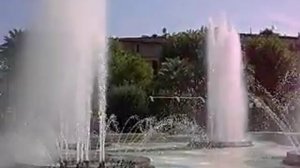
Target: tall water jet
column 227, row 98
column 64, row 48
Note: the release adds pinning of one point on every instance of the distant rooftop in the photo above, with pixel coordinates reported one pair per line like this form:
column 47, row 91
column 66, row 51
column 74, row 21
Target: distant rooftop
column 280, row 36
column 144, row 39
column 161, row 39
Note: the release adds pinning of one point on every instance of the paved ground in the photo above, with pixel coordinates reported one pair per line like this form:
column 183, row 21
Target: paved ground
column 136, row 147
column 261, row 155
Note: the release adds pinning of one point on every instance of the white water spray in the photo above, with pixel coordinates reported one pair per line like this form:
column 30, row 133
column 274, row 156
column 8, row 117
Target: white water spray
column 54, row 81
column 227, row 98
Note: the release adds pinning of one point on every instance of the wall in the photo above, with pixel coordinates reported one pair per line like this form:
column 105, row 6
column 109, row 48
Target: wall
column 147, row 50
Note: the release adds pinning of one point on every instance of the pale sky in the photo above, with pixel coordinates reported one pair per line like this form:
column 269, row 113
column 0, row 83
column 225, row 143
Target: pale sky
column 146, row 17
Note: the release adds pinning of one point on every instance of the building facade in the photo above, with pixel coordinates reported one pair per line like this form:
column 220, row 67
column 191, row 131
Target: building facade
column 150, row 48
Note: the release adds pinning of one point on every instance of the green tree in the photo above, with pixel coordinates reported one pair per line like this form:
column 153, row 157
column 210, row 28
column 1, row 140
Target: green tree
column 126, row 101
column 182, row 73
column 174, row 75
column 164, row 31
column 184, row 59
column 188, row 45
column 129, row 68
column 10, row 48
column 270, row 58
column 177, row 77
column 9, row 51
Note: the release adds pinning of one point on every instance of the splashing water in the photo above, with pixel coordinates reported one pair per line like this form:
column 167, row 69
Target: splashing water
column 227, row 98
column 65, row 46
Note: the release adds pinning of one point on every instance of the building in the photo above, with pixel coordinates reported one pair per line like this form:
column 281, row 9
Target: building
column 150, row 48
column 293, row 42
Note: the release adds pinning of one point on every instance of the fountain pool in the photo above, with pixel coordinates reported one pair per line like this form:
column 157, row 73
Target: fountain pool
column 268, row 151
column 66, row 51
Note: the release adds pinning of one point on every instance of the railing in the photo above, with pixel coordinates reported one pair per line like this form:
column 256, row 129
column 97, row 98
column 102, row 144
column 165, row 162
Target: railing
column 178, row 98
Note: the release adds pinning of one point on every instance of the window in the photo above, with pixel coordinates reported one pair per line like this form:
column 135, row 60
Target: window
column 137, row 49
column 155, row 66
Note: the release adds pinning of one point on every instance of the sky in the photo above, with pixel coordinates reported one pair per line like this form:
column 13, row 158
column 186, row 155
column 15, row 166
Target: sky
column 147, row 17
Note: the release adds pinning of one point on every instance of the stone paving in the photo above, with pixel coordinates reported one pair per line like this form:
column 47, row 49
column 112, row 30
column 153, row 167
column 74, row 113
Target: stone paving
column 261, row 155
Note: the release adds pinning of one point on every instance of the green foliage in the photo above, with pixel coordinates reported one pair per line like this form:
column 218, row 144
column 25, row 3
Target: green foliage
column 270, row 58
column 177, row 77
column 126, row 101
column 182, row 73
column 184, row 61
column 174, row 75
column 189, row 44
column 10, row 48
column 272, row 80
column 267, row 32
column 164, row 31
column 129, row 68
column 189, row 48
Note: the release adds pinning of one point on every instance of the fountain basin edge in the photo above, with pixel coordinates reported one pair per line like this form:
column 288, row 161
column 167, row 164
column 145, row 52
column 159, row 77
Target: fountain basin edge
column 112, row 161
column 212, row 144
column 292, row 158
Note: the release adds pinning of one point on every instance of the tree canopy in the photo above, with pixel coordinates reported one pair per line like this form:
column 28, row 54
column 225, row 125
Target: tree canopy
column 189, row 44
column 270, row 64
column 271, row 59
column 128, row 68
column 184, row 63
column 10, row 48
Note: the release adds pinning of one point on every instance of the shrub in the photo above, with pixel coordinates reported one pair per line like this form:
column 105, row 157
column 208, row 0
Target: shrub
column 126, row 101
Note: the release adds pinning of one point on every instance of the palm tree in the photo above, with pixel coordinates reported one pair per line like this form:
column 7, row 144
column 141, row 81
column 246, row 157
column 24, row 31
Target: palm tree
column 178, row 76
column 164, row 31
column 186, row 45
column 10, row 48
column 8, row 53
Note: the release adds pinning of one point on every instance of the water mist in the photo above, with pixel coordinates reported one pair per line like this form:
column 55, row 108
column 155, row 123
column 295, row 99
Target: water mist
column 227, row 97
column 64, row 51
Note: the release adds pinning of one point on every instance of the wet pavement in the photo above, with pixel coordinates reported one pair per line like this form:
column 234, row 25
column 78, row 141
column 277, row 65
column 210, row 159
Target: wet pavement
column 261, row 155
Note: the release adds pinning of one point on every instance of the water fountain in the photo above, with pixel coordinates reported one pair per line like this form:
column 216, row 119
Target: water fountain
column 50, row 121
column 65, row 49
column 292, row 157
column 228, row 113
column 65, row 46
column 227, row 95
